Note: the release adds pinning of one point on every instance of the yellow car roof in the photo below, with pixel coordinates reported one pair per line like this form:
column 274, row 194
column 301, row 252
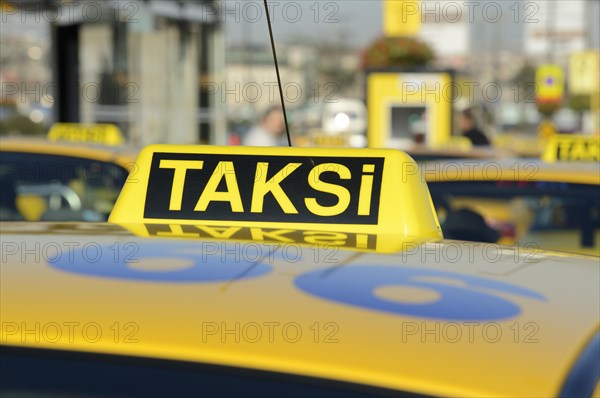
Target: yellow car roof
column 92, row 133
column 447, row 318
column 123, row 156
column 510, row 170
column 322, row 263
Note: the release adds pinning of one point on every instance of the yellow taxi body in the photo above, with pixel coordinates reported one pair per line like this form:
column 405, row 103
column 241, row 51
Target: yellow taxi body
column 123, row 156
column 511, row 192
column 442, row 318
column 201, row 265
column 98, row 133
column 512, row 170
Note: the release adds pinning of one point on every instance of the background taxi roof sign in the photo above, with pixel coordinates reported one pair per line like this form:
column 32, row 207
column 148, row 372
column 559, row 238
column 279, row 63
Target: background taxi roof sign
column 371, row 191
column 550, row 81
column 572, row 147
column 103, row 134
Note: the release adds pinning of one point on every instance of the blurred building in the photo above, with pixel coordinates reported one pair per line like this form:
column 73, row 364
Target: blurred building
column 24, row 73
column 139, row 64
column 251, row 82
column 445, row 28
column 497, row 44
column 311, row 74
column 560, row 28
column 496, row 38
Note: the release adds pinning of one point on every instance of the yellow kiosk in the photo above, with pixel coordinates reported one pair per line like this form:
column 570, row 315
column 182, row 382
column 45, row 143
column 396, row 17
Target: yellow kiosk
column 405, row 108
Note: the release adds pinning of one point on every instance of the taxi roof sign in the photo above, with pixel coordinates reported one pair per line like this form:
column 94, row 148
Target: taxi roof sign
column 360, row 191
column 102, row 133
column 571, row 147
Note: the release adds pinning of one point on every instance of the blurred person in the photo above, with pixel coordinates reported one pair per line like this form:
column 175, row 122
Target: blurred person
column 417, row 125
column 269, row 132
column 466, row 224
column 470, row 130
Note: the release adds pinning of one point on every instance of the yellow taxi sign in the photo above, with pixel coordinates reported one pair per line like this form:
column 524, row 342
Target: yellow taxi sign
column 103, row 134
column 565, row 147
column 354, row 191
column 401, row 18
column 550, row 82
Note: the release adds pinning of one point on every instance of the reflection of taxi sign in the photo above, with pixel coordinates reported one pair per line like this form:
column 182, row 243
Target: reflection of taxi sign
column 318, row 189
column 572, row 148
column 104, row 134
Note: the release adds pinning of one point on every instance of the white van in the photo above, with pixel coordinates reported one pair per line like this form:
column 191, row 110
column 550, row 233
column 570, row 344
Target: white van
column 340, row 123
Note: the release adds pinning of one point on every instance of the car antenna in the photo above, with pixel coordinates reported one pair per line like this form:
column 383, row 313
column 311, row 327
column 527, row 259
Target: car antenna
column 287, row 129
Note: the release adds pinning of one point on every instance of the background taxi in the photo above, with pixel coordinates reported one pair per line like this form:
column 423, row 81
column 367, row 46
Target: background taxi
column 60, row 181
column 550, row 205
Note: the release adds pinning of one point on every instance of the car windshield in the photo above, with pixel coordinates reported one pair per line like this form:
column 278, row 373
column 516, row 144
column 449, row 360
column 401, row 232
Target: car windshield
column 549, row 215
column 58, row 188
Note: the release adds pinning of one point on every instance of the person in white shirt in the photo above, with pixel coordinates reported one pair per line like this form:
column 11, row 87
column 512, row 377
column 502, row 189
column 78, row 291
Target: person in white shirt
column 269, row 132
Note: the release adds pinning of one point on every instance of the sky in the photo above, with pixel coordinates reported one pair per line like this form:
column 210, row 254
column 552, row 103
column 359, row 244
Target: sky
column 357, row 22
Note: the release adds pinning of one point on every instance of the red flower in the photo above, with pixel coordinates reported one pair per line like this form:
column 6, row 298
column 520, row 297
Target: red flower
column 396, row 52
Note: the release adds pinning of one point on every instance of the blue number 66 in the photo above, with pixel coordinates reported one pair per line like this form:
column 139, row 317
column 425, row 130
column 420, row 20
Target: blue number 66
column 461, row 297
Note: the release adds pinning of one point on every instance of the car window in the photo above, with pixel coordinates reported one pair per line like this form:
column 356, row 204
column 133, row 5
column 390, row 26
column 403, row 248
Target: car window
column 58, row 188
column 40, row 373
column 549, row 215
